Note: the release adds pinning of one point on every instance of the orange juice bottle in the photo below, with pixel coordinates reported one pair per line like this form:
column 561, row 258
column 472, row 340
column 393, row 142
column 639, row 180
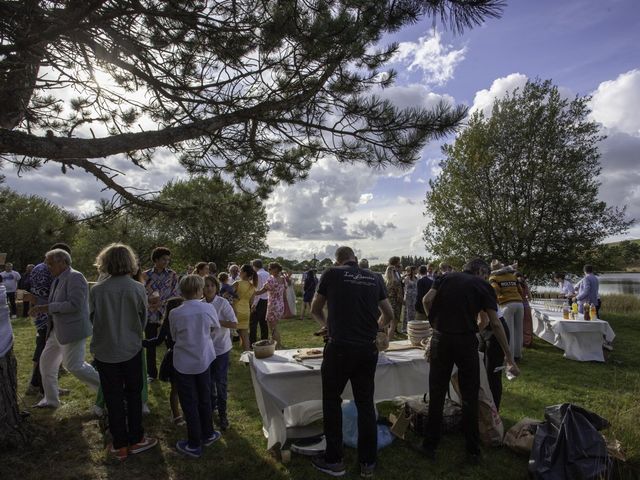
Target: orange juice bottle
column 593, row 313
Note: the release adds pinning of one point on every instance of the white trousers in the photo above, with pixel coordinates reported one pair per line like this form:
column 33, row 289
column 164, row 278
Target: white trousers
column 71, row 356
column 514, row 317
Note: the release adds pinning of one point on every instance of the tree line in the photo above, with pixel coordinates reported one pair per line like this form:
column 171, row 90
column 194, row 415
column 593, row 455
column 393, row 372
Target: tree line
column 210, row 222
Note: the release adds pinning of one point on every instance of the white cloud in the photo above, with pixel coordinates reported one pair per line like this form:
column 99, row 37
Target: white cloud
column 616, row 103
column 413, row 95
column 436, row 60
column 365, row 198
column 318, row 207
column 484, row 99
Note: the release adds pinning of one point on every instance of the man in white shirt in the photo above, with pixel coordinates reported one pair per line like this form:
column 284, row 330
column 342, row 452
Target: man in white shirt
column 222, row 345
column 191, row 324
column 10, row 279
column 566, row 287
column 259, row 308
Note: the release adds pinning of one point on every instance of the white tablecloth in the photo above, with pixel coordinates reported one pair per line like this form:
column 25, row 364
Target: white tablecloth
column 288, row 394
column 580, row 339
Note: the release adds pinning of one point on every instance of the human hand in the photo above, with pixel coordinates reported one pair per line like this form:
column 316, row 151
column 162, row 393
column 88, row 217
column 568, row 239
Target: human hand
column 512, row 370
column 382, row 341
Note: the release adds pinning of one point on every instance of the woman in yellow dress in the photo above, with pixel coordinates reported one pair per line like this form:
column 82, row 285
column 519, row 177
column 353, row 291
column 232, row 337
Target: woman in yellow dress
column 245, row 288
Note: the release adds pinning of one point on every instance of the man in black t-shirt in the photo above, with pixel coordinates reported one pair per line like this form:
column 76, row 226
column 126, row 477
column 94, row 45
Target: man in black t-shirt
column 453, row 303
column 424, row 285
column 355, row 330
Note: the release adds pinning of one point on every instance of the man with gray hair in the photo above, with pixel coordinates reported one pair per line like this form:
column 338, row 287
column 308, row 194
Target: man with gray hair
column 67, row 330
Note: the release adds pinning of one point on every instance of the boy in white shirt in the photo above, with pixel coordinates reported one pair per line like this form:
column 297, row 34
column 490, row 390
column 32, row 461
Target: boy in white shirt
column 191, row 325
column 222, row 345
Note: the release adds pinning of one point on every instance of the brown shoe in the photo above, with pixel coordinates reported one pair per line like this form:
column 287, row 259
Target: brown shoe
column 119, row 453
column 145, row 444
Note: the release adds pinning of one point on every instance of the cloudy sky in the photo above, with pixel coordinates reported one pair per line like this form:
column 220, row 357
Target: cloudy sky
column 587, row 47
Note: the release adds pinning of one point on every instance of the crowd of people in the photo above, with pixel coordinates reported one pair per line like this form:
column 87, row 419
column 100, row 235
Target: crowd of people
column 129, row 312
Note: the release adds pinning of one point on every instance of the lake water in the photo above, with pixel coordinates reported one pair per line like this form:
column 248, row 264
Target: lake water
column 609, row 283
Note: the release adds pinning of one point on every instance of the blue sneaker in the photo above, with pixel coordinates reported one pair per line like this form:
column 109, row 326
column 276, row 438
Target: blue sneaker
column 215, row 436
column 183, row 447
column 334, row 469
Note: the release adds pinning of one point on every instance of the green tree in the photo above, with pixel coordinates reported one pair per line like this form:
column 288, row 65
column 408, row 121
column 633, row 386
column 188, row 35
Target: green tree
column 255, row 89
column 522, row 184
column 142, row 233
column 212, row 222
column 32, row 225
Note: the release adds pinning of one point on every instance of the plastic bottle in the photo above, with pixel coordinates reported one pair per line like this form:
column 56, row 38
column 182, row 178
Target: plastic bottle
column 574, row 310
column 593, row 312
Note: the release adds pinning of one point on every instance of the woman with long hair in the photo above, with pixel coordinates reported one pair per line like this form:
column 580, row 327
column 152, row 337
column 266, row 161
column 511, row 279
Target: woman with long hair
column 276, row 286
column 410, row 282
column 245, row 290
column 395, row 292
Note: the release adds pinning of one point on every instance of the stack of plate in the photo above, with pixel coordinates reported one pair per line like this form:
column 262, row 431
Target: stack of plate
column 418, row 330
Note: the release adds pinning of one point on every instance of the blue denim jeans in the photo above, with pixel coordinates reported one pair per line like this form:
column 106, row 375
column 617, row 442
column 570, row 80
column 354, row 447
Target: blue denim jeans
column 219, row 370
column 194, row 392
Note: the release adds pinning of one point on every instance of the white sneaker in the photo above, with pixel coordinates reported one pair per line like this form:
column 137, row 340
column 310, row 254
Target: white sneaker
column 145, row 409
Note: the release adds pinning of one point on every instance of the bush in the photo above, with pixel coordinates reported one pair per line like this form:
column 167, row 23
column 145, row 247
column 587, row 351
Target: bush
column 620, row 303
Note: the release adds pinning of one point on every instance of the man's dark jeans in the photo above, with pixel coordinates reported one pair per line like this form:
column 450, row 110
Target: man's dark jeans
column 123, row 382
column 219, row 371
column 151, row 331
column 41, row 340
column 194, row 392
column 340, row 364
column 258, row 316
column 447, row 349
column 494, row 358
column 11, row 298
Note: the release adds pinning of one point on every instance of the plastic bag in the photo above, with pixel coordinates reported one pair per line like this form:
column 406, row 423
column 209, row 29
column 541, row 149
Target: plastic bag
column 568, row 445
column 350, row 428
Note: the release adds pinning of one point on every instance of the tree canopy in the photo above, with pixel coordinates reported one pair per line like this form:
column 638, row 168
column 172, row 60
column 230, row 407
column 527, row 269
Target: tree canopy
column 213, row 222
column 31, row 225
column 522, row 184
column 256, row 90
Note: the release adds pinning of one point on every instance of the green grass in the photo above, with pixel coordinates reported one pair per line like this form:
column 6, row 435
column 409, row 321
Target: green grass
column 69, row 444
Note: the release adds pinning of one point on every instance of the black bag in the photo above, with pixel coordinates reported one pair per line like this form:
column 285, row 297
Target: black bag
column 569, row 445
column 417, row 410
column 166, row 366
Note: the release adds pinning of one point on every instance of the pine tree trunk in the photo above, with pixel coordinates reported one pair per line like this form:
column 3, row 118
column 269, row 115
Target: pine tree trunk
column 14, row 430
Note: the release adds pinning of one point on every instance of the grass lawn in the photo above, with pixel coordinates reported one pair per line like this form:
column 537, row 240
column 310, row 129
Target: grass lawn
column 69, row 444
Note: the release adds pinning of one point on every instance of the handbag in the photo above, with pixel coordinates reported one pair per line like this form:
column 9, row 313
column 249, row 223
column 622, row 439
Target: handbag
column 417, row 410
column 166, row 366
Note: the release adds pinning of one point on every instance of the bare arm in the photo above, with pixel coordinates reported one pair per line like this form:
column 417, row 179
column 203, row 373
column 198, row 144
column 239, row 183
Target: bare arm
column 387, row 313
column 317, row 309
column 428, row 299
column 498, row 332
column 483, row 320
